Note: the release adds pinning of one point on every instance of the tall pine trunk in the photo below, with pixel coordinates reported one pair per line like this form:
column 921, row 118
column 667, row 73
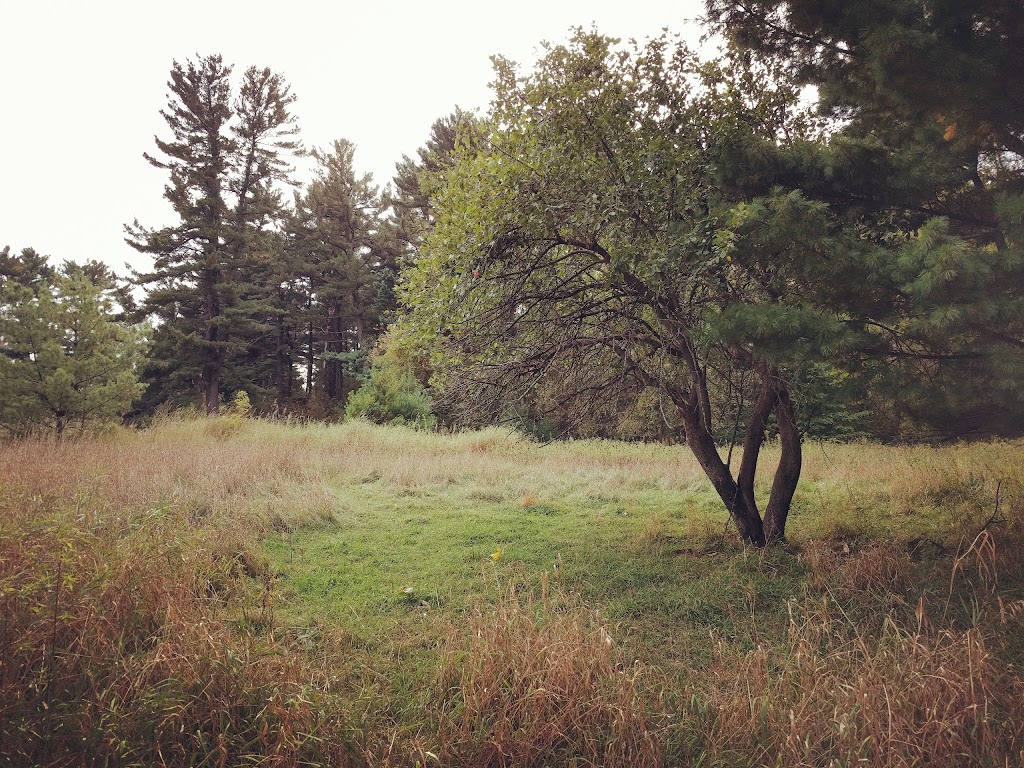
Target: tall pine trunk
column 282, row 366
column 213, row 353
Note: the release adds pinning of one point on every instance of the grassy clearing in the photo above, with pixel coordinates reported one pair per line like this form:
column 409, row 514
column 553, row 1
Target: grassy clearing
column 282, row 595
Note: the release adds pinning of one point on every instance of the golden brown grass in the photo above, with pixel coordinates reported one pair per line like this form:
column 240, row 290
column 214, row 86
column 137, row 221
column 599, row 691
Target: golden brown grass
column 121, row 649
column 526, row 683
column 864, row 677
column 137, row 613
column 134, row 604
column 841, row 694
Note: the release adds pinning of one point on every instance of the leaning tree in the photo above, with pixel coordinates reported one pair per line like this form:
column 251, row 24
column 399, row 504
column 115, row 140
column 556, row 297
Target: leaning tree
column 600, row 233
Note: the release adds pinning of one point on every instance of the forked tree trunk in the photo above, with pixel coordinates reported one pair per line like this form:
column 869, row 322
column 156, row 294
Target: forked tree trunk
column 702, row 445
column 737, row 494
column 787, row 475
column 753, row 439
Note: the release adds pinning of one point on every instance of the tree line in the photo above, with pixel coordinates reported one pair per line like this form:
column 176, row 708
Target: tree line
column 260, row 285
column 631, row 242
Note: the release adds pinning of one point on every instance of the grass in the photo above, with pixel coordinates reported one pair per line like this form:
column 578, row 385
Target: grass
column 248, row 592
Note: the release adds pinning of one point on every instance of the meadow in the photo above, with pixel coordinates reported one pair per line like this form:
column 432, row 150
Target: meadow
column 241, row 592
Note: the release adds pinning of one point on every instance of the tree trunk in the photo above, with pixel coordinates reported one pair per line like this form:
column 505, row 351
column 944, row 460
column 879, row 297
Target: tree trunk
column 788, row 473
column 332, row 345
column 738, row 494
column 310, row 354
column 213, row 357
column 211, row 378
column 753, row 439
column 282, row 367
column 702, row 445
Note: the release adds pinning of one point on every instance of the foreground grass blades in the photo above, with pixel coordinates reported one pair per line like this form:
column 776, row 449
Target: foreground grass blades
column 255, row 593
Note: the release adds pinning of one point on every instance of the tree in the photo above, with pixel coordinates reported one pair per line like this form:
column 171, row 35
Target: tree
column 899, row 64
column 340, row 244
column 29, row 268
column 410, row 200
column 225, row 161
column 928, row 154
column 391, row 395
column 64, row 360
column 602, row 237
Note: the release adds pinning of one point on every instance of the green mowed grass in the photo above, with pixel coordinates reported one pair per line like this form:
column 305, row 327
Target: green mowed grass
column 633, row 531
column 662, row 564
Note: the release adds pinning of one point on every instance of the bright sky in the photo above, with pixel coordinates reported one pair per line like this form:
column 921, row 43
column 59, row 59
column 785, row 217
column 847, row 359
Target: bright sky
column 82, row 84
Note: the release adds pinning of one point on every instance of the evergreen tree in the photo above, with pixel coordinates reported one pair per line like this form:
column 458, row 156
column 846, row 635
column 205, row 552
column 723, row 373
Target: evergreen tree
column 65, row 361
column 340, row 245
column 410, row 201
column 29, row 268
column 926, row 156
column 225, row 161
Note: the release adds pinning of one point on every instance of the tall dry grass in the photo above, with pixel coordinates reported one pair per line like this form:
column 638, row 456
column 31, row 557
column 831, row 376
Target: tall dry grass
column 840, row 695
column 891, row 490
column 525, row 683
column 137, row 622
column 863, row 681
column 134, row 614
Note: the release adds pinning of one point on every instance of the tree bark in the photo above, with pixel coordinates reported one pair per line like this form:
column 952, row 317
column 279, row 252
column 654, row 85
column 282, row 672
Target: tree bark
column 702, row 445
column 213, row 356
column 788, row 473
column 310, row 355
column 282, row 367
column 753, row 439
column 738, row 494
column 212, row 394
column 332, row 345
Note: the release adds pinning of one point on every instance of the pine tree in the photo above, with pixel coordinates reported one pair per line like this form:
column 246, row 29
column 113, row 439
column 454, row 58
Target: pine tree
column 925, row 156
column 340, row 244
column 29, row 268
column 225, row 161
column 410, row 201
column 65, row 361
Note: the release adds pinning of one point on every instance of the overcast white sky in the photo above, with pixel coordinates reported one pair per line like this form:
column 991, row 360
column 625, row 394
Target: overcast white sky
column 82, row 83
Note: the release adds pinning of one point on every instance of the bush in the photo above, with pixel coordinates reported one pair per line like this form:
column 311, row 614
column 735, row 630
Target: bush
column 391, row 395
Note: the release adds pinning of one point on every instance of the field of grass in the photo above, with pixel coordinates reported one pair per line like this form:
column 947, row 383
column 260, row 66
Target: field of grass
column 234, row 592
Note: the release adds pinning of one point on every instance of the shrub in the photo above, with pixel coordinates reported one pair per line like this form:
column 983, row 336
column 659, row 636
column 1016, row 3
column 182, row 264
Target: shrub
column 391, row 396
